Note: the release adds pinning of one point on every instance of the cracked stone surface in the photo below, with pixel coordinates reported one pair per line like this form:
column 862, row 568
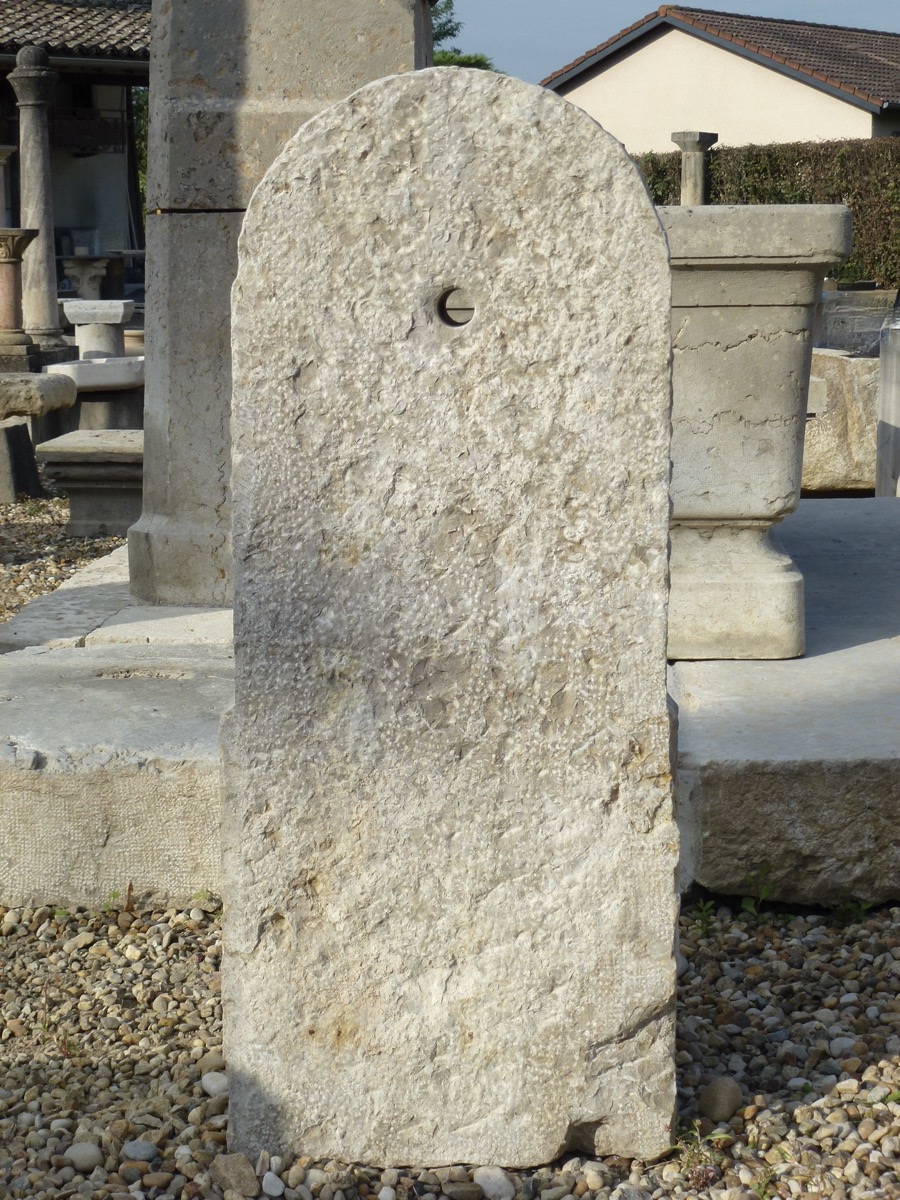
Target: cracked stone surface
column 449, row 846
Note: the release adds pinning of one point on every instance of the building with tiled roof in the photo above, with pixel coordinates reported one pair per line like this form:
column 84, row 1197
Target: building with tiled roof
column 109, row 30
column 749, row 79
column 101, row 52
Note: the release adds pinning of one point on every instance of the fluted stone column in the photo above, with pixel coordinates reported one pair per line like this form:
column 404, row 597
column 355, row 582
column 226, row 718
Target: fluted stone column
column 229, row 84
column 33, row 82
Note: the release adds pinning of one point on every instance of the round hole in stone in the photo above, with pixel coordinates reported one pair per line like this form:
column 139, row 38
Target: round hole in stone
column 456, row 307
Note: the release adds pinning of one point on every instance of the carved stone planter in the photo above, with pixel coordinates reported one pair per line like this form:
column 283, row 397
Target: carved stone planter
column 745, row 284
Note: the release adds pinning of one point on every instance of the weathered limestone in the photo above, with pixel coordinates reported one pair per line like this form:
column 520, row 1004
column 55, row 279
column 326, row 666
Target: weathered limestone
column 100, row 470
column 450, row 730
column 108, row 772
column 839, row 445
column 745, row 283
column 694, row 148
column 25, row 394
column 229, row 85
column 33, row 83
column 99, row 326
column 789, row 772
column 6, row 153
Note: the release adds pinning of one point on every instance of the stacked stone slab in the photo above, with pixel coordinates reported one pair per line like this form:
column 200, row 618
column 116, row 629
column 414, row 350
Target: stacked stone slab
column 449, row 846
column 230, row 83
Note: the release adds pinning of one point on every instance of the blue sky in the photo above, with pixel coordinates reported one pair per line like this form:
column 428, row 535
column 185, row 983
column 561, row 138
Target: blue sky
column 532, row 38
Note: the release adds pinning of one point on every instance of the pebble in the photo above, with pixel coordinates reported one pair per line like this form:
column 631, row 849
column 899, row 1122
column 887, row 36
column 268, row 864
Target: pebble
column 99, row 1069
column 720, row 1099
column 495, row 1183
column 214, row 1083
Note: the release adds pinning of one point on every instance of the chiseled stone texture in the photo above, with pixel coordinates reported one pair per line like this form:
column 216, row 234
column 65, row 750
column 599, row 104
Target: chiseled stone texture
column 27, row 394
column 232, row 81
column 109, row 772
column 449, row 845
column 839, row 448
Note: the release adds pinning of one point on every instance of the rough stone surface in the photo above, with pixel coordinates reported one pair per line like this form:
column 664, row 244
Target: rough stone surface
column 842, row 414
column 26, row 394
column 789, row 772
column 109, row 772
column 745, row 283
column 450, row 732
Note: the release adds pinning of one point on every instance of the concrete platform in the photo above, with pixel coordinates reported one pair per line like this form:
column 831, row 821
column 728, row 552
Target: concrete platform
column 789, row 772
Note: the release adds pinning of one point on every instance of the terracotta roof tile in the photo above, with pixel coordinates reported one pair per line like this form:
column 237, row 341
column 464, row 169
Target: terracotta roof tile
column 861, row 62
column 99, row 28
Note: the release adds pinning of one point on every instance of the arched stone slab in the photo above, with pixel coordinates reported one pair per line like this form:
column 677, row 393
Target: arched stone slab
column 449, row 842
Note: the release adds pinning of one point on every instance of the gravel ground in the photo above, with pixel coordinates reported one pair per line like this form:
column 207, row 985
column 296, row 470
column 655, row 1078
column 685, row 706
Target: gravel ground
column 113, row 1085
column 36, row 556
column 112, row 1082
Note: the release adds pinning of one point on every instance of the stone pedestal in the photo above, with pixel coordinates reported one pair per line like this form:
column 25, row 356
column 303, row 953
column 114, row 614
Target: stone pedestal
column 230, row 83
column 100, row 470
column 694, row 149
column 99, row 326
column 17, row 349
column 745, row 283
column 33, row 83
column 86, row 275
column 110, row 396
column 448, row 837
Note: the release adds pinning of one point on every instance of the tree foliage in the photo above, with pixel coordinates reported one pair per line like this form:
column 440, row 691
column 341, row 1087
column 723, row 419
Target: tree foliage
column 445, row 28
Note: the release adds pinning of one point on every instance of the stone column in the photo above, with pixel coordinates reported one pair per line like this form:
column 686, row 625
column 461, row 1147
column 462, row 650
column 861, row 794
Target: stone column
column 229, row 84
column 33, row 82
column 694, row 148
column 6, row 152
column 16, row 347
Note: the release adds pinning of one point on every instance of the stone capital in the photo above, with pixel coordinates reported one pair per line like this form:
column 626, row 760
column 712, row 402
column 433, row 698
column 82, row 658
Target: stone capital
column 13, row 243
column 692, row 141
column 32, row 80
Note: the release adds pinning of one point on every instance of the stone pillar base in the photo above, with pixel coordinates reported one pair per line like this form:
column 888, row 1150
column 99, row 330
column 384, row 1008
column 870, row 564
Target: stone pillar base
column 197, row 562
column 733, row 594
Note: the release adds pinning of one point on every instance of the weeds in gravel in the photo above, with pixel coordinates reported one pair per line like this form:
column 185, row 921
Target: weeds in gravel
column 701, row 1156
column 702, row 916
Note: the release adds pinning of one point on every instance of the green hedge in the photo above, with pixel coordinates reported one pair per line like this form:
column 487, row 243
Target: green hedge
column 864, row 174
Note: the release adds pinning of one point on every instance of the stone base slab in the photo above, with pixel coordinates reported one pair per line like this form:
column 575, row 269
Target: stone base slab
column 109, row 772
column 789, row 772
column 789, row 767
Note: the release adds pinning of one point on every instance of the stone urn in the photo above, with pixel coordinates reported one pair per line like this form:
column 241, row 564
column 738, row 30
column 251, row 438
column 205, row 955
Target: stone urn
column 746, row 281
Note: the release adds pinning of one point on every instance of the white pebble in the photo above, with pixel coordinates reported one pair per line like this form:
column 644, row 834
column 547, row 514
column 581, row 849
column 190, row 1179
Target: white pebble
column 272, row 1185
column 214, row 1083
column 495, row 1183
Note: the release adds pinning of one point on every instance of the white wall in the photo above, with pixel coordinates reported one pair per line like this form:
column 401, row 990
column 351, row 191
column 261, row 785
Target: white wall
column 674, row 81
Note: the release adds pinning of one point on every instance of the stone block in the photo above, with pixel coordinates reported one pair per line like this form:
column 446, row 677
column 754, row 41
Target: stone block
column 789, row 772
column 186, row 518
column 109, row 773
column 448, row 842
column 842, row 415
column 25, row 394
column 108, row 374
column 100, row 471
column 230, row 86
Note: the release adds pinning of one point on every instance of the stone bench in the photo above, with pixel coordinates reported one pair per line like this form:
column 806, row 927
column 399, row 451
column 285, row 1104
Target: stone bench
column 101, row 470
